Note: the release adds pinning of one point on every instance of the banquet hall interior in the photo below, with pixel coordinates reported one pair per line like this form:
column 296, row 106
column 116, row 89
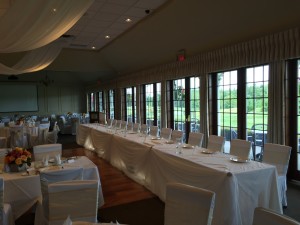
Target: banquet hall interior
column 83, row 73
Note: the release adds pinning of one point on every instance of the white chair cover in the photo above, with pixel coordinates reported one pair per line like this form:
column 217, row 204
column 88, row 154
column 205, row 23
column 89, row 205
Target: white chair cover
column 129, row 126
column 52, row 150
column 165, row 133
column 52, row 137
column 17, row 137
column 74, row 125
column 144, row 128
column 3, row 142
column 263, row 216
column 110, row 122
column 75, row 198
column 6, row 215
column 188, row 205
column 52, row 176
column 240, row 148
column 176, row 134
column 216, row 143
column 136, row 127
column 195, row 139
column 279, row 156
column 153, row 131
column 43, row 135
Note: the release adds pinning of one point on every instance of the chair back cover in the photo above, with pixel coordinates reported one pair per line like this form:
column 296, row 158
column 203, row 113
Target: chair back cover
column 165, row 133
column 188, row 205
column 129, row 126
column 195, row 139
column 136, row 127
column 176, row 134
column 53, row 176
column 52, row 150
column 77, row 199
column 216, row 143
column 153, row 131
column 266, row 216
column 17, row 136
column 144, row 128
column 240, row 148
column 279, row 156
column 6, row 215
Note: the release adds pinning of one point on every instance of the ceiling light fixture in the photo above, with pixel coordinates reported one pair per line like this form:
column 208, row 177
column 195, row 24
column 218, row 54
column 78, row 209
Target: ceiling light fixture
column 93, row 47
column 107, row 37
column 128, row 20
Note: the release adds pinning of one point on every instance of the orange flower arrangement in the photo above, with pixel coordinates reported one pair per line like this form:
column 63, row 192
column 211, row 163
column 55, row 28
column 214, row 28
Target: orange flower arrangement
column 18, row 156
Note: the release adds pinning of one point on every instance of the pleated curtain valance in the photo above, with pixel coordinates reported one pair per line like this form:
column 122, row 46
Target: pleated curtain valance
column 35, row 26
column 275, row 47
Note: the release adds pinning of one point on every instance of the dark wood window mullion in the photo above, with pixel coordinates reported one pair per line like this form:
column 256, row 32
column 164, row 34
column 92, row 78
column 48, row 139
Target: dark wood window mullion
column 155, row 104
column 144, row 105
column 132, row 103
column 171, row 110
column 241, row 103
column 214, row 107
column 125, row 101
column 187, row 107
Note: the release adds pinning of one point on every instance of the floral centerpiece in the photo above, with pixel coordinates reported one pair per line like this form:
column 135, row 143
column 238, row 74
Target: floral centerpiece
column 17, row 159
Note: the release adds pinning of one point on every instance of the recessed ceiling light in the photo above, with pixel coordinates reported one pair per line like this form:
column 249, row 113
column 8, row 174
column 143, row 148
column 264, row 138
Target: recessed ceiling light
column 93, row 47
column 107, row 37
column 54, row 10
column 128, row 20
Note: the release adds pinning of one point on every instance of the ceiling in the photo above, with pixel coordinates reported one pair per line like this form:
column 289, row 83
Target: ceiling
column 107, row 19
column 153, row 39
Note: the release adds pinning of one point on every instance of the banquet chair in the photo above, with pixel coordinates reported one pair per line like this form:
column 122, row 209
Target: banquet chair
column 136, row 127
column 74, row 125
column 53, row 176
column 240, row 148
column 279, row 156
column 267, row 216
column 129, row 126
column 65, row 126
column 78, row 199
column 195, row 139
column 43, row 135
column 53, row 135
column 187, row 204
column 6, row 215
column 176, row 134
column 144, row 128
column 52, row 150
column 153, row 131
column 3, row 142
column 216, row 143
column 165, row 133
column 17, row 137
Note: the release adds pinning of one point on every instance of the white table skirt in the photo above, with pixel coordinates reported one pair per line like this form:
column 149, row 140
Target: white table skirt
column 22, row 192
column 239, row 187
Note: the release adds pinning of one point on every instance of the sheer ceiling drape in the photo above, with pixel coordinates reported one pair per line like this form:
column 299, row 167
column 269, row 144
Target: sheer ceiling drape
column 33, row 26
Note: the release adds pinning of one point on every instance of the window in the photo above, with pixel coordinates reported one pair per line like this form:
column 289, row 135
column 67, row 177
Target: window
column 130, row 100
column 92, row 102
column 101, row 101
column 257, row 81
column 184, row 105
column 111, row 103
column 153, row 104
column 242, row 106
column 227, row 106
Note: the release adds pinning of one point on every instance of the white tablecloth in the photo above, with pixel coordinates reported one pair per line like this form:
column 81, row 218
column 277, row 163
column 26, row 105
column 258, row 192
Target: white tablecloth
column 239, row 187
column 22, row 192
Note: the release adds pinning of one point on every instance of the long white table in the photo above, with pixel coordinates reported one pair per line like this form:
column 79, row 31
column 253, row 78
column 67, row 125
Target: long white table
column 239, row 187
column 23, row 191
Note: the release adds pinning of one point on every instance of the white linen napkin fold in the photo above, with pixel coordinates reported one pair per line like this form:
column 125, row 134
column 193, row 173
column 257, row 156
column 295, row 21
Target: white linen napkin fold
column 68, row 221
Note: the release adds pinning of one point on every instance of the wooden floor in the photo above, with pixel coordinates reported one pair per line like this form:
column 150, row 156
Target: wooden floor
column 117, row 188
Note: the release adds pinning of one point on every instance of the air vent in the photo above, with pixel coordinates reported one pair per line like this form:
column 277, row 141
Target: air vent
column 78, row 45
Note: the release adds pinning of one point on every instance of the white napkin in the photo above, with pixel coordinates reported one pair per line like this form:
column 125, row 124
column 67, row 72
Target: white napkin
column 68, row 221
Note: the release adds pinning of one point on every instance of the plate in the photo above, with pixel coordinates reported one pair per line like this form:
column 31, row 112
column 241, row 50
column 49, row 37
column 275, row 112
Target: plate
column 207, row 152
column 170, row 142
column 187, row 146
column 239, row 160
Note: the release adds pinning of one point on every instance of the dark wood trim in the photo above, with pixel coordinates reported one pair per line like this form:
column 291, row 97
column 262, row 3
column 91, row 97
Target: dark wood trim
column 214, row 103
column 241, row 103
column 155, row 104
column 187, row 107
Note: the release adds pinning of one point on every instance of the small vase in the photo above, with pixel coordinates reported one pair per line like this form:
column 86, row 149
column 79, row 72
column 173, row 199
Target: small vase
column 16, row 168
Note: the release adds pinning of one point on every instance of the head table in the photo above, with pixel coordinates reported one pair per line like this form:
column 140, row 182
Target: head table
column 22, row 191
column 239, row 187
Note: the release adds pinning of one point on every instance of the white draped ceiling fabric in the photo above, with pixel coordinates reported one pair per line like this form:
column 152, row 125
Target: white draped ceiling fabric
column 32, row 24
